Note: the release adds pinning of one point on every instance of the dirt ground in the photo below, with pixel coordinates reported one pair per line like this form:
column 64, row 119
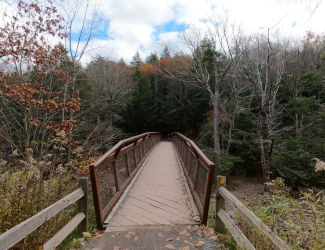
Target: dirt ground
column 158, row 237
column 247, row 190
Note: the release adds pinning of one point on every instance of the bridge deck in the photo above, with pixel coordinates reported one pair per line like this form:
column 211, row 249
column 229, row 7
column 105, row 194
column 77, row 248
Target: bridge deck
column 158, row 195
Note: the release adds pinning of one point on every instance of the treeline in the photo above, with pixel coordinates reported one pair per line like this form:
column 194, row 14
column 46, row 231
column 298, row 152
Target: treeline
column 268, row 97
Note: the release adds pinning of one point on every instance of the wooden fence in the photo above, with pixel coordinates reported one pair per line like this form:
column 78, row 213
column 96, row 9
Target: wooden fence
column 223, row 220
column 199, row 171
column 113, row 172
column 20, row 231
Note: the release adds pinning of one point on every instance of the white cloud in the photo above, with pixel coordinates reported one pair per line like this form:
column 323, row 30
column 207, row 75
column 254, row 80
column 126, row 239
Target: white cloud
column 134, row 24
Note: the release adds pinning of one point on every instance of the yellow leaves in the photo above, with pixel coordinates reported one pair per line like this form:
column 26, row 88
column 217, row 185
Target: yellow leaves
column 184, row 232
column 200, row 243
column 86, row 234
column 83, row 168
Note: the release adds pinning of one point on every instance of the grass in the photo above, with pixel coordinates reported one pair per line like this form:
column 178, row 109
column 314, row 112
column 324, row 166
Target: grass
column 76, row 238
column 226, row 239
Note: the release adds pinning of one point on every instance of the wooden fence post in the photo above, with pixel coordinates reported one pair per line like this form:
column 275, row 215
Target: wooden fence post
column 83, row 204
column 220, row 202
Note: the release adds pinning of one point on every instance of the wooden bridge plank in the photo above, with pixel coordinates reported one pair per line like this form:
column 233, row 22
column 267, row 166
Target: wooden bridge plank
column 159, row 211
column 166, row 196
column 149, row 196
column 158, row 219
column 158, row 195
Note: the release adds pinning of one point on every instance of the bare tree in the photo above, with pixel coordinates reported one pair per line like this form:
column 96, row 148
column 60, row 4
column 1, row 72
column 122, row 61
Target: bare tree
column 265, row 61
column 110, row 83
column 226, row 45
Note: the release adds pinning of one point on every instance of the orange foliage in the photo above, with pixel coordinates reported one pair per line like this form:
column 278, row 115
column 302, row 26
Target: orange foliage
column 39, row 86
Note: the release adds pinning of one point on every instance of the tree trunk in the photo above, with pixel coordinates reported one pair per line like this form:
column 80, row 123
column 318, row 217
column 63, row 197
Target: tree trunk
column 216, row 118
column 264, row 164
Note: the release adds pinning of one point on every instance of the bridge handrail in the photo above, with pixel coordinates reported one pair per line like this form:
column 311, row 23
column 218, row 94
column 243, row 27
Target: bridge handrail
column 20, row 231
column 141, row 145
column 223, row 220
column 195, row 149
column 198, row 170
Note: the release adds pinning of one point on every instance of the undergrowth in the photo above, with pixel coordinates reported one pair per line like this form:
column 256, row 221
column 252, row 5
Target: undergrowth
column 299, row 222
column 27, row 186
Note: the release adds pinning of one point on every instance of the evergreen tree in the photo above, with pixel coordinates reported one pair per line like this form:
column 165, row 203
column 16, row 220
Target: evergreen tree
column 136, row 60
column 165, row 53
column 122, row 62
column 152, row 58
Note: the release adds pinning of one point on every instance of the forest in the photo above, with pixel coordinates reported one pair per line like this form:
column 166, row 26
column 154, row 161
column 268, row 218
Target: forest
column 255, row 105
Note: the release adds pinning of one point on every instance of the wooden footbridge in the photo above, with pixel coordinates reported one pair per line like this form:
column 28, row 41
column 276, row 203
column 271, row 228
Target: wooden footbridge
column 146, row 183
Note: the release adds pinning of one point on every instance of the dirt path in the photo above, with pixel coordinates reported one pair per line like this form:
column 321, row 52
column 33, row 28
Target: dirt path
column 158, row 237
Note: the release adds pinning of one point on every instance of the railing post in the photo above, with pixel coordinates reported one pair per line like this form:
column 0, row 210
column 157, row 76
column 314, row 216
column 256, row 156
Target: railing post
column 220, row 202
column 96, row 196
column 83, row 204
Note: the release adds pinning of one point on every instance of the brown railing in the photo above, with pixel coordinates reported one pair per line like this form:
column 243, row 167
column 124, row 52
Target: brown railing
column 199, row 171
column 113, row 172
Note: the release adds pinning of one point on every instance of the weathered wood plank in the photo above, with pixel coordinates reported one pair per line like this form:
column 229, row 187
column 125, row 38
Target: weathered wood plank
column 236, row 233
column 83, row 204
column 64, row 232
column 161, row 205
column 20, row 231
column 137, row 217
column 156, row 219
column 253, row 219
column 151, row 196
column 220, row 201
column 159, row 211
column 168, row 196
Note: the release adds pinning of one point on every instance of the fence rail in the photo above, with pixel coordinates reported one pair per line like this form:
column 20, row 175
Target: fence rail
column 20, row 231
column 199, row 171
column 223, row 220
column 113, row 172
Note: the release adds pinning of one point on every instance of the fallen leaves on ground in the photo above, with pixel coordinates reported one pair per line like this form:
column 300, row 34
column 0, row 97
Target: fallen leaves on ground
column 86, row 234
column 200, row 243
column 184, row 232
column 170, row 246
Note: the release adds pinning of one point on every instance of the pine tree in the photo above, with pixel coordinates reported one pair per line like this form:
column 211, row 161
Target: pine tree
column 152, row 58
column 165, row 53
column 136, row 60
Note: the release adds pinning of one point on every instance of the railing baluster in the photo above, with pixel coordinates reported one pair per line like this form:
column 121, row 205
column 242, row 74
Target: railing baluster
column 128, row 164
column 117, row 176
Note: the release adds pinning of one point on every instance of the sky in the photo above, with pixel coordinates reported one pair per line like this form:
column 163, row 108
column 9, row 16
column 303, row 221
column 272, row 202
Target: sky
column 124, row 26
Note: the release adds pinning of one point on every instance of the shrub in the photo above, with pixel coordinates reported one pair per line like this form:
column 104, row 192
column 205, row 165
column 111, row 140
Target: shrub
column 24, row 191
column 299, row 222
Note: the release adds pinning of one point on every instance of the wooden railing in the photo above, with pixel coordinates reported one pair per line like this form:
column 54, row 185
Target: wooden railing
column 223, row 220
column 20, row 231
column 199, row 171
column 113, row 172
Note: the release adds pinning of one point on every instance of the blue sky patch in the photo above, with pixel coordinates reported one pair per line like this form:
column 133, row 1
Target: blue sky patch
column 171, row 26
column 100, row 31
